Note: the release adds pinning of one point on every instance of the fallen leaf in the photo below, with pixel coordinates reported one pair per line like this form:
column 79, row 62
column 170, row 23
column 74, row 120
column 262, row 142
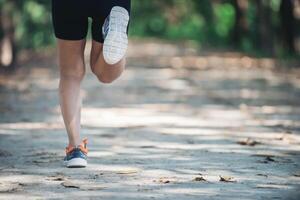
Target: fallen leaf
column 265, row 175
column 248, row 142
column 56, row 178
column 297, row 174
column 227, row 179
column 69, row 184
column 8, row 187
column 199, row 178
column 164, row 181
column 269, row 158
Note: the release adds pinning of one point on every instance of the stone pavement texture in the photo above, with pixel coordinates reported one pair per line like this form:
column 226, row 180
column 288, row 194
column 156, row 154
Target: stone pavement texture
column 162, row 131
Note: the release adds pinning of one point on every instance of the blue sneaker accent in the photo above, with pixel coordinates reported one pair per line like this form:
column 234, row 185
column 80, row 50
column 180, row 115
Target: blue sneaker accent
column 105, row 27
column 76, row 153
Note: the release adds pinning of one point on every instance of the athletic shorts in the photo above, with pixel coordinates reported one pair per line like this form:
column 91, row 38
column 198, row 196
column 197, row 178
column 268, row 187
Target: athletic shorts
column 70, row 17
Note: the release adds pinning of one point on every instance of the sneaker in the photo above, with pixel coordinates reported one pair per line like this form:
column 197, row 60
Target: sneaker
column 114, row 32
column 76, row 156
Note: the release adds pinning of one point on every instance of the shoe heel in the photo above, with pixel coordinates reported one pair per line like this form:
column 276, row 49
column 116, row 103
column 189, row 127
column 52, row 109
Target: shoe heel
column 76, row 163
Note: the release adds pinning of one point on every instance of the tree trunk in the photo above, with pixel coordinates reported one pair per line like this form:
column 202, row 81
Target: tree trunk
column 264, row 36
column 7, row 41
column 287, row 24
column 240, row 26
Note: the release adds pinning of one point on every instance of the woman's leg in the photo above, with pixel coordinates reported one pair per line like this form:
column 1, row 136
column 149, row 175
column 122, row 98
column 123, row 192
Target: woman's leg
column 72, row 70
column 106, row 73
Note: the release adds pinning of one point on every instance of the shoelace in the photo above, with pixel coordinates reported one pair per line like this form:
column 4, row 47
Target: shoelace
column 82, row 147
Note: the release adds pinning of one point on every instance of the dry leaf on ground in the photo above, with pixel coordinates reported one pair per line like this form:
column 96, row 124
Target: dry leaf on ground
column 165, row 180
column 265, row 175
column 270, row 159
column 227, row 179
column 267, row 160
column 297, row 174
column 69, row 184
column 248, row 142
column 8, row 187
column 199, row 178
column 55, row 178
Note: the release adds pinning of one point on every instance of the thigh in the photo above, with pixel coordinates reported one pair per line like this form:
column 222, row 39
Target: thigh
column 71, row 57
column 70, row 19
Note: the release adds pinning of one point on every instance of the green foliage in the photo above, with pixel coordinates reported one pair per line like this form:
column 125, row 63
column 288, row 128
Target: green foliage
column 171, row 19
column 33, row 28
column 224, row 19
column 204, row 22
column 200, row 21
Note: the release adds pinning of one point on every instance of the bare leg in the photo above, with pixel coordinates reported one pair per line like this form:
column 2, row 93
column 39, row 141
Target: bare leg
column 72, row 70
column 106, row 73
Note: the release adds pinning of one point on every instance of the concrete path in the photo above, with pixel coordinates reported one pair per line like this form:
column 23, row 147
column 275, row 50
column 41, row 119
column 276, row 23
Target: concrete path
column 162, row 131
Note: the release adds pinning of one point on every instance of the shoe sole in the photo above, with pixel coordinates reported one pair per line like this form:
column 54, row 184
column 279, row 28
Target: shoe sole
column 116, row 41
column 76, row 163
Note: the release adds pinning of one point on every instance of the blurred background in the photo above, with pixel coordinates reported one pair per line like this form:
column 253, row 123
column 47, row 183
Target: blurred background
column 211, row 88
column 260, row 28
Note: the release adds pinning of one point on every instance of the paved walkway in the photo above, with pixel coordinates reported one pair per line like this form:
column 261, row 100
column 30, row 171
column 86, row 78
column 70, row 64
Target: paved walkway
column 156, row 133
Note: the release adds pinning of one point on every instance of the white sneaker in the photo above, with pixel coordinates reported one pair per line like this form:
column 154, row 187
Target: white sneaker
column 115, row 36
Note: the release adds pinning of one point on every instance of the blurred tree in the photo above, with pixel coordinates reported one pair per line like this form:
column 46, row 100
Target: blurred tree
column 8, row 50
column 240, row 28
column 287, row 24
column 258, row 26
column 264, row 34
column 23, row 24
column 205, row 9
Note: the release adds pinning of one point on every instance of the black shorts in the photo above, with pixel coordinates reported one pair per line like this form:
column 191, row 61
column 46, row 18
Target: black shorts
column 70, row 17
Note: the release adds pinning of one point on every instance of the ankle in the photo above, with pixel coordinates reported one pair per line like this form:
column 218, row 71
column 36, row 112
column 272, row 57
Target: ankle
column 74, row 143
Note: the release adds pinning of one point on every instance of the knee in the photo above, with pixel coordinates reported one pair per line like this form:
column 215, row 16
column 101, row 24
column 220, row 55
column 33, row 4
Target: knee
column 73, row 72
